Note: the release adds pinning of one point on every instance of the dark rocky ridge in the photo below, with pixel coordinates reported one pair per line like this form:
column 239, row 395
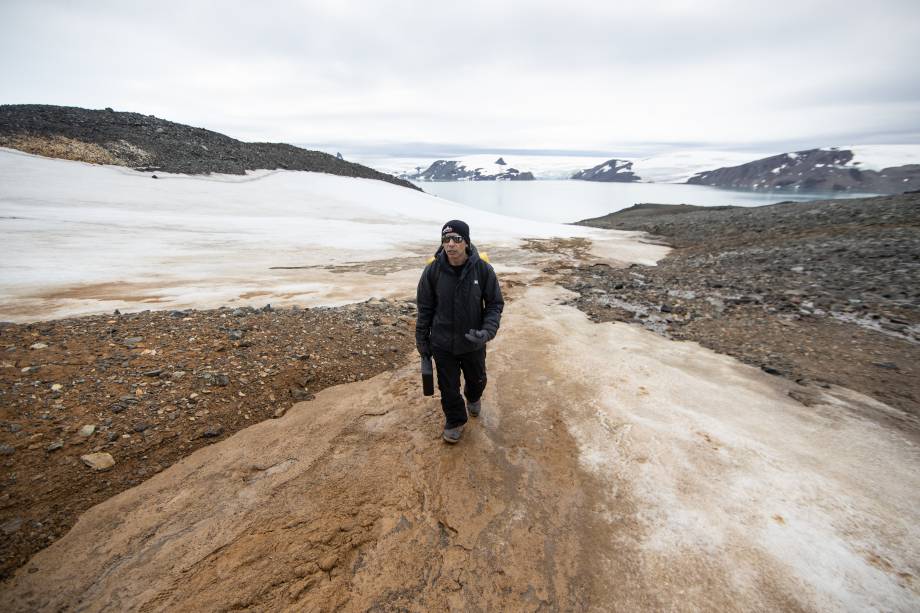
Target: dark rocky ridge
column 822, row 292
column 144, row 142
column 613, row 171
column 452, row 170
column 812, row 170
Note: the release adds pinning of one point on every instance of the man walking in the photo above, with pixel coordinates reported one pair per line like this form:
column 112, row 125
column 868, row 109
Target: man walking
column 459, row 310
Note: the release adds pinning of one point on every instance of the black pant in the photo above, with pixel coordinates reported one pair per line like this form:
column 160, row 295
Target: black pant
column 449, row 366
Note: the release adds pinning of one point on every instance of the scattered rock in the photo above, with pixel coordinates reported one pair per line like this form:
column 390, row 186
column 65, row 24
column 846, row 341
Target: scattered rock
column 87, row 430
column 11, row 526
column 55, row 446
column 206, row 390
column 38, row 346
column 886, row 365
column 98, row 461
column 300, row 394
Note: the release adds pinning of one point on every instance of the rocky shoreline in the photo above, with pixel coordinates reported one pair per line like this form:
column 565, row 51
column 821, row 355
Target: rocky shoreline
column 824, row 293
column 91, row 406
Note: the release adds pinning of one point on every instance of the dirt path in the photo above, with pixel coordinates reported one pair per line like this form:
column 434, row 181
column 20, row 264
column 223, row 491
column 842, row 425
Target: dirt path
column 611, row 470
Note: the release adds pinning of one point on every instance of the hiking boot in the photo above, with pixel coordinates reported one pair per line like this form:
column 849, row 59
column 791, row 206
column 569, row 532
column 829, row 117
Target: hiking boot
column 452, row 435
column 475, row 408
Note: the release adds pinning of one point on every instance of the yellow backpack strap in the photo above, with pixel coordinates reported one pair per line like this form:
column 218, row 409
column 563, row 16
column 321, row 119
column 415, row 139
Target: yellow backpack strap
column 484, row 257
column 430, row 260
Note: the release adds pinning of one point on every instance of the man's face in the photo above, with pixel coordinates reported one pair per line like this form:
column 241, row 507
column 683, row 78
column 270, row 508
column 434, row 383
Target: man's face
column 453, row 248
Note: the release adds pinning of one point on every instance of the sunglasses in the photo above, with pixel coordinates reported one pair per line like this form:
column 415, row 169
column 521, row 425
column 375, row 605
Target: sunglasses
column 449, row 238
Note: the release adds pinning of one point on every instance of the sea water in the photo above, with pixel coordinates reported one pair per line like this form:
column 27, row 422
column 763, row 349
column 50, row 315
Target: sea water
column 568, row 201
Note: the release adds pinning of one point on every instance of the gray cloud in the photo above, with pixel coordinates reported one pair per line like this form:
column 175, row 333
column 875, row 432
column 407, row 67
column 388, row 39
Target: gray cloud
column 516, row 76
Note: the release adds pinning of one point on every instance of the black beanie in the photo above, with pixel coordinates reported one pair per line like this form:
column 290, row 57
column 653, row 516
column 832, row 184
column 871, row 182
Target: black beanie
column 457, row 227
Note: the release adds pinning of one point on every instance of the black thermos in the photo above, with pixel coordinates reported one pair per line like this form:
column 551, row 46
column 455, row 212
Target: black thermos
column 427, row 376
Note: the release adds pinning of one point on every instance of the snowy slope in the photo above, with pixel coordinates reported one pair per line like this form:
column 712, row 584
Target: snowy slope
column 70, row 230
column 879, row 157
column 678, row 166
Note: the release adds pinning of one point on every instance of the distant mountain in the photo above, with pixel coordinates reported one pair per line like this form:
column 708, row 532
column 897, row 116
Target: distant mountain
column 144, row 142
column 613, row 170
column 813, row 170
column 453, row 170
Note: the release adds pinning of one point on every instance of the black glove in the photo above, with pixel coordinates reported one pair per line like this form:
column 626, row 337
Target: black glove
column 478, row 337
column 424, row 348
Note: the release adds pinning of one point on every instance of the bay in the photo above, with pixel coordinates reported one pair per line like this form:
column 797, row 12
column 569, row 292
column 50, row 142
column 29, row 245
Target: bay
column 566, row 201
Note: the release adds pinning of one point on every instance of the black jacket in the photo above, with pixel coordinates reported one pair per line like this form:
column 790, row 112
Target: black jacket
column 449, row 305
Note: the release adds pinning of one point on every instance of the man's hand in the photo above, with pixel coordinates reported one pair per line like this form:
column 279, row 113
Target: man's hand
column 478, row 337
column 424, row 348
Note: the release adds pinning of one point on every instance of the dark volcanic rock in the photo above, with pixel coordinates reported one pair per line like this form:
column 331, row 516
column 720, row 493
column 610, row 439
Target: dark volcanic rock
column 452, row 170
column 144, row 142
column 614, row 171
column 812, row 170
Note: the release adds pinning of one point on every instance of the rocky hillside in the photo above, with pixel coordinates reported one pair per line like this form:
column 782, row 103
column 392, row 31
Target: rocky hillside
column 452, row 170
column 613, row 171
column 145, row 142
column 813, row 170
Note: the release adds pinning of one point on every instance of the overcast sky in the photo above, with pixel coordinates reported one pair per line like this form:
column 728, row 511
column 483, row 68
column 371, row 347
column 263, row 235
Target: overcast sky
column 598, row 77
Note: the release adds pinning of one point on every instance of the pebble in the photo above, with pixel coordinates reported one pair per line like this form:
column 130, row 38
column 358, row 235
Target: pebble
column 886, row 365
column 7, row 449
column 55, row 446
column 57, row 387
column 38, row 346
column 213, row 431
column 87, row 430
column 98, row 461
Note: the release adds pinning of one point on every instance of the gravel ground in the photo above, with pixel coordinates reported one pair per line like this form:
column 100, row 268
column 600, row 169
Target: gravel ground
column 150, row 388
column 822, row 293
